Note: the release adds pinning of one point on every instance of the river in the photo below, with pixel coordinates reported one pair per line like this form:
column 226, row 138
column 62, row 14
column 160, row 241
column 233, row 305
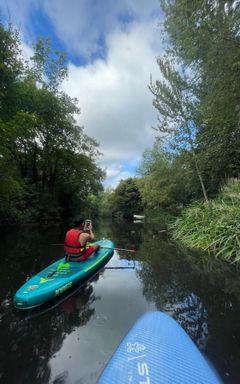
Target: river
column 70, row 340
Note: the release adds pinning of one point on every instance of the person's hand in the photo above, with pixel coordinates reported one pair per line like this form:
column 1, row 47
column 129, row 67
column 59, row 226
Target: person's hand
column 88, row 227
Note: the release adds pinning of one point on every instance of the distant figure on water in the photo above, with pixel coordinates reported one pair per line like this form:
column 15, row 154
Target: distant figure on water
column 76, row 240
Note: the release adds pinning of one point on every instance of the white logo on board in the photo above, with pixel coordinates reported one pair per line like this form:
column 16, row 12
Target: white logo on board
column 135, row 347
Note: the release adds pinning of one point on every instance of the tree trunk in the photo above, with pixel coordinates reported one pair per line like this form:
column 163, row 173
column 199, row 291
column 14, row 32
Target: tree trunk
column 200, row 177
column 196, row 164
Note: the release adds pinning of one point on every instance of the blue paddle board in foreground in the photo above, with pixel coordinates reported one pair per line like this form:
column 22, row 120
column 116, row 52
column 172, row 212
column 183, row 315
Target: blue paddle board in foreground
column 158, row 351
column 59, row 277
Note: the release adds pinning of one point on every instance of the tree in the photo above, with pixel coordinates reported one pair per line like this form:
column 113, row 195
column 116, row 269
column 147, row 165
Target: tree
column 47, row 162
column 126, row 198
column 49, row 68
column 105, row 202
column 167, row 180
column 11, row 69
column 11, row 188
column 176, row 103
column 204, row 36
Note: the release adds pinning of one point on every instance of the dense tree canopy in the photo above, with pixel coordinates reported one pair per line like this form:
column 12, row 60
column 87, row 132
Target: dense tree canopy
column 166, row 179
column 209, row 44
column 126, row 199
column 197, row 94
column 47, row 164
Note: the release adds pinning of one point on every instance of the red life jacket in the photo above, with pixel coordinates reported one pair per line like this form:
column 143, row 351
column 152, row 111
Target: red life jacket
column 71, row 243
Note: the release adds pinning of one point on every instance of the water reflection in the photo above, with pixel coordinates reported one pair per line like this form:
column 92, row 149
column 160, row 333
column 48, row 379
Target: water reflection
column 70, row 340
column 202, row 293
column 123, row 234
column 192, row 316
column 34, row 342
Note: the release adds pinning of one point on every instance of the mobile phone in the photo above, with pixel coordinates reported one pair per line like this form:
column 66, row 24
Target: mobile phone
column 88, row 222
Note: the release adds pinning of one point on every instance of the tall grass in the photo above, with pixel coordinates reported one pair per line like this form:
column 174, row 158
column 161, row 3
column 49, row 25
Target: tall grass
column 213, row 226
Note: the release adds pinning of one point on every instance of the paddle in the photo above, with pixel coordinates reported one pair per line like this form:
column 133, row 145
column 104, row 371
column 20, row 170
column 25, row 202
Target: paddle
column 114, row 249
column 119, row 249
column 119, row 267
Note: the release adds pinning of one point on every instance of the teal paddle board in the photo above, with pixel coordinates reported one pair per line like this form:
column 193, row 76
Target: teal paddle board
column 59, row 277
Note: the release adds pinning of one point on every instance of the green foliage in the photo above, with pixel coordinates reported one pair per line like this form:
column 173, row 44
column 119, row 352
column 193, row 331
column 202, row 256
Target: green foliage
column 105, row 203
column 197, row 98
column 161, row 218
column 47, row 163
column 213, row 226
column 167, row 180
column 126, row 199
column 208, row 47
column 11, row 194
column 177, row 104
column 11, row 68
column 49, row 68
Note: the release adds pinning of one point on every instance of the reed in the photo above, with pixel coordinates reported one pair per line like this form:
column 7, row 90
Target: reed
column 213, row 226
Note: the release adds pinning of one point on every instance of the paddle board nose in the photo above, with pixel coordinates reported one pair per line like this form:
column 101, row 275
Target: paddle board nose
column 158, row 350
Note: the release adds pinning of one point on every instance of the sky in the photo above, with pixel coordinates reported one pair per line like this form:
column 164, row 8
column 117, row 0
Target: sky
column 112, row 48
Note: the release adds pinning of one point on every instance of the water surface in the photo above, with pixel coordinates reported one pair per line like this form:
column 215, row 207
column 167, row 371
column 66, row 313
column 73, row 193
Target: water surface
column 70, row 340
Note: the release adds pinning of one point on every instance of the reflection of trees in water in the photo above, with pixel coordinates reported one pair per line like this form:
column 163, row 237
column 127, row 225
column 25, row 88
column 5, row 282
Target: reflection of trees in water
column 61, row 378
column 192, row 316
column 170, row 277
column 28, row 254
column 163, row 288
column 27, row 345
column 168, row 296
column 124, row 234
column 218, row 273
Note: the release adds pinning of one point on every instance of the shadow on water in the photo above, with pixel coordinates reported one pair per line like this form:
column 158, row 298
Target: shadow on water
column 70, row 339
column 32, row 340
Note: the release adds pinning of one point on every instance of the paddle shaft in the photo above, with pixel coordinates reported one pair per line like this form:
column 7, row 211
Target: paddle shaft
column 115, row 249
column 119, row 268
column 118, row 249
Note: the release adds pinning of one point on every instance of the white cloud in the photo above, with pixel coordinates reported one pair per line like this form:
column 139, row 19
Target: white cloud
column 113, row 178
column 83, row 25
column 114, row 170
column 113, row 94
column 27, row 52
column 18, row 13
column 14, row 13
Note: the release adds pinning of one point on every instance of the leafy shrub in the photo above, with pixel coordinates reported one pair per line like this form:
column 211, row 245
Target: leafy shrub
column 213, row 226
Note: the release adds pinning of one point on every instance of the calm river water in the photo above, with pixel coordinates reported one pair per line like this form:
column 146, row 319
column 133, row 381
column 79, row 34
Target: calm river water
column 71, row 340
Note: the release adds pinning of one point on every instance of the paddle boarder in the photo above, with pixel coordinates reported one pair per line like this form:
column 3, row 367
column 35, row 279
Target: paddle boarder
column 77, row 238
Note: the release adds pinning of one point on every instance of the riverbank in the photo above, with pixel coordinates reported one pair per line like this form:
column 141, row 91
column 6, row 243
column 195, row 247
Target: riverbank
column 214, row 226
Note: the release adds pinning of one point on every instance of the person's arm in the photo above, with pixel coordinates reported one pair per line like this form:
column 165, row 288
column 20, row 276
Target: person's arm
column 86, row 237
column 83, row 238
column 91, row 234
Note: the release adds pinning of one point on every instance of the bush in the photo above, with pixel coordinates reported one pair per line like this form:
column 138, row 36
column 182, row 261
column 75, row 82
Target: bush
column 213, row 226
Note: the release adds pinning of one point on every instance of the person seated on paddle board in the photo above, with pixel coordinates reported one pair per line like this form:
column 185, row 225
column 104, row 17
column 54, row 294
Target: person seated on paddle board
column 76, row 239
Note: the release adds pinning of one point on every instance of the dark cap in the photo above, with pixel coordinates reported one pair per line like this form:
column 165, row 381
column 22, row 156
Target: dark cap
column 78, row 221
